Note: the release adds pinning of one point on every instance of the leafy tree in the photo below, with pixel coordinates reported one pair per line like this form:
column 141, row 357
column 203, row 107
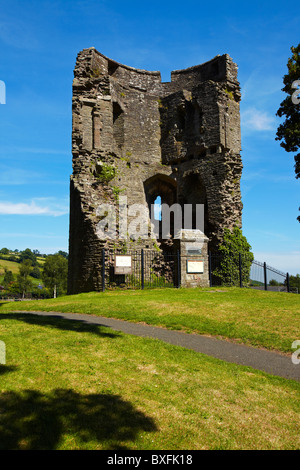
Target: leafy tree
column 14, row 288
column 234, row 248
column 28, row 255
column 4, row 251
column 36, row 273
column 289, row 132
column 8, row 278
column 55, row 273
column 294, row 281
column 23, row 278
column 273, row 282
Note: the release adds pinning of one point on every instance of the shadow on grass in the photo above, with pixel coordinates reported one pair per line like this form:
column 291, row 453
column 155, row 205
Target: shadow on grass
column 55, row 321
column 4, row 369
column 34, row 421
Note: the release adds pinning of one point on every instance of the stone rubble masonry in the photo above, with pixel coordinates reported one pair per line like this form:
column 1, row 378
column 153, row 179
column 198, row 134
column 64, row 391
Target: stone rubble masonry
column 134, row 135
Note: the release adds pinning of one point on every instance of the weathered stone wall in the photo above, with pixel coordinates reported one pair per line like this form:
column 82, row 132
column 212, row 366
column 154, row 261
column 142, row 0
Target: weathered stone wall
column 136, row 136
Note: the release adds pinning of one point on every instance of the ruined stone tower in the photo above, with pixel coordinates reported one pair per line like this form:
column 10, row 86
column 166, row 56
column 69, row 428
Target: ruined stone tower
column 136, row 136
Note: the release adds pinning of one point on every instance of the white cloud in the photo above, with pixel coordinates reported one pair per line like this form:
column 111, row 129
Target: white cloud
column 256, row 120
column 32, row 208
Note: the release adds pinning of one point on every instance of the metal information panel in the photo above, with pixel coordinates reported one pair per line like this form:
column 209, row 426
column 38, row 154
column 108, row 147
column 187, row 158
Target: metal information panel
column 123, row 264
column 194, row 267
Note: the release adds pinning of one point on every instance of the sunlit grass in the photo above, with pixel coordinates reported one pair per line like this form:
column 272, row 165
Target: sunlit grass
column 70, row 385
column 263, row 319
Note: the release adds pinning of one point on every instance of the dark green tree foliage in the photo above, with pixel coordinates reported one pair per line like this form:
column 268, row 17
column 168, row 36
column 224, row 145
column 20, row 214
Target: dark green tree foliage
column 228, row 270
column 289, row 131
column 55, row 273
column 294, row 282
column 63, row 253
column 23, row 278
column 28, row 255
column 36, row 273
column 8, row 278
column 273, row 282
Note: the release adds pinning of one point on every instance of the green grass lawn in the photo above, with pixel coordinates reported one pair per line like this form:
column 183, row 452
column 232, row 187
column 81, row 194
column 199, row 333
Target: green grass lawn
column 70, row 385
column 262, row 319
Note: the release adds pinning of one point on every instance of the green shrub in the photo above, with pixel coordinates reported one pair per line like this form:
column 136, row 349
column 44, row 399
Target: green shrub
column 234, row 245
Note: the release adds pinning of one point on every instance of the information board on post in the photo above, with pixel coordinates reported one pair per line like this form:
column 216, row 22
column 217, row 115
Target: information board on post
column 194, row 267
column 123, row 264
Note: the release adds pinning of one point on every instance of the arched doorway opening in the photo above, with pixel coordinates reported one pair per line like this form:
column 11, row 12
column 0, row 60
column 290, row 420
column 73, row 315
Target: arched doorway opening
column 160, row 191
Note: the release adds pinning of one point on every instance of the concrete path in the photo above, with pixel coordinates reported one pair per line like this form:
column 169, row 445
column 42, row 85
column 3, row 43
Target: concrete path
column 261, row 359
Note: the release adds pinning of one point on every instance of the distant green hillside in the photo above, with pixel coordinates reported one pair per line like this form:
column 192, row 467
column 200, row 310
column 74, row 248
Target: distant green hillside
column 13, row 266
column 12, row 260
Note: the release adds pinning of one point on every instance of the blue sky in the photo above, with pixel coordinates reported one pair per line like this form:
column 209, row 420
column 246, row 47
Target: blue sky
column 39, row 42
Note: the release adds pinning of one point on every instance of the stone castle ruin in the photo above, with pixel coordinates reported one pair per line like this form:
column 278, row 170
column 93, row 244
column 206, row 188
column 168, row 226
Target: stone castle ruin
column 134, row 136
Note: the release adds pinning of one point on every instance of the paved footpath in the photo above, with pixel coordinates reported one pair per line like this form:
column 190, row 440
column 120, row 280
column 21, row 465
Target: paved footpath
column 261, row 359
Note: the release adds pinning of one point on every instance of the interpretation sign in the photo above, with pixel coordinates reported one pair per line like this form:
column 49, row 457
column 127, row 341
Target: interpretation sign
column 194, row 267
column 123, row 264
